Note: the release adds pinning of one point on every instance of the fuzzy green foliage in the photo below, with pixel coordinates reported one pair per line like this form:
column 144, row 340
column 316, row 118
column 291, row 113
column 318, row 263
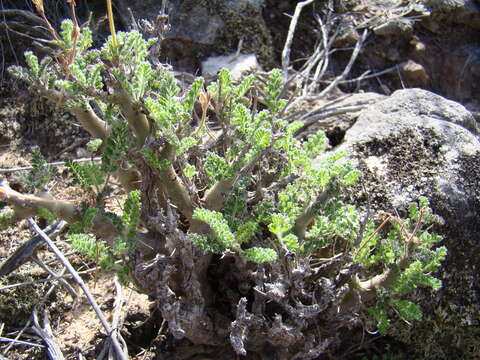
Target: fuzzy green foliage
column 131, row 217
column 88, row 175
column 85, row 225
column 115, row 146
column 115, row 257
column 40, row 174
column 46, row 214
column 388, row 251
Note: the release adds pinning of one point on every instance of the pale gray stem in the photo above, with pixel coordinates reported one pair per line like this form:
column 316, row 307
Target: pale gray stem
column 347, row 69
column 56, row 163
column 118, row 349
column 46, row 333
column 291, row 32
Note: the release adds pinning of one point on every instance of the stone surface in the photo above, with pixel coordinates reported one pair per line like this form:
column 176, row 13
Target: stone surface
column 236, row 64
column 415, row 74
column 412, row 144
column 465, row 12
column 197, row 24
column 200, row 29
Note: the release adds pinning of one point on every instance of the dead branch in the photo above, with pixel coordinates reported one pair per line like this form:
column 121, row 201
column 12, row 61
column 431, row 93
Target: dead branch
column 323, row 118
column 315, row 352
column 120, row 353
column 28, row 249
column 15, row 341
column 51, row 278
column 45, row 332
column 239, row 328
column 115, row 323
column 67, row 286
column 364, row 76
column 23, row 13
column 291, row 31
column 348, row 68
column 56, row 163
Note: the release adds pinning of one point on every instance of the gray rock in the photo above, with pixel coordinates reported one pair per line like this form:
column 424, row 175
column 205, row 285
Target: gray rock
column 457, row 11
column 197, row 23
column 412, row 144
column 239, row 5
column 235, row 63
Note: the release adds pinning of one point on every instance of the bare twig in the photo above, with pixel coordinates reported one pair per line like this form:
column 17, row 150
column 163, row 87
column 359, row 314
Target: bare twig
column 364, row 76
column 291, row 32
column 67, row 286
column 28, row 249
column 45, row 332
column 20, row 333
column 118, row 349
column 51, row 278
column 57, row 163
column 348, row 68
column 28, row 15
column 116, row 320
column 15, row 341
column 314, row 118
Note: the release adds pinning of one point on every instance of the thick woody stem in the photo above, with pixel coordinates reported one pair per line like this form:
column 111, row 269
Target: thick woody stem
column 26, row 206
column 129, row 178
column 367, row 290
column 216, row 196
column 135, row 118
column 172, row 186
column 309, row 213
column 91, row 122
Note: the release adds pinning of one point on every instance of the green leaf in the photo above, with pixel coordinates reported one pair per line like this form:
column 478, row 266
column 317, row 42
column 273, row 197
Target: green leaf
column 208, row 243
column 279, row 225
column 218, row 225
column 7, row 217
column 46, row 214
column 192, row 94
column 273, row 90
column 189, row 171
column 89, row 175
column 132, row 210
column 216, row 167
column 94, row 145
column 383, row 322
column 66, row 33
column 141, row 79
column 245, row 85
column 407, row 309
column 245, row 231
column 185, row 144
column 116, row 146
column 259, row 255
column 32, row 62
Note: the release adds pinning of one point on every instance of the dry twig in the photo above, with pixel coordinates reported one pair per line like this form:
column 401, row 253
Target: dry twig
column 116, row 345
column 291, row 32
column 57, row 163
column 45, row 332
column 28, row 249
